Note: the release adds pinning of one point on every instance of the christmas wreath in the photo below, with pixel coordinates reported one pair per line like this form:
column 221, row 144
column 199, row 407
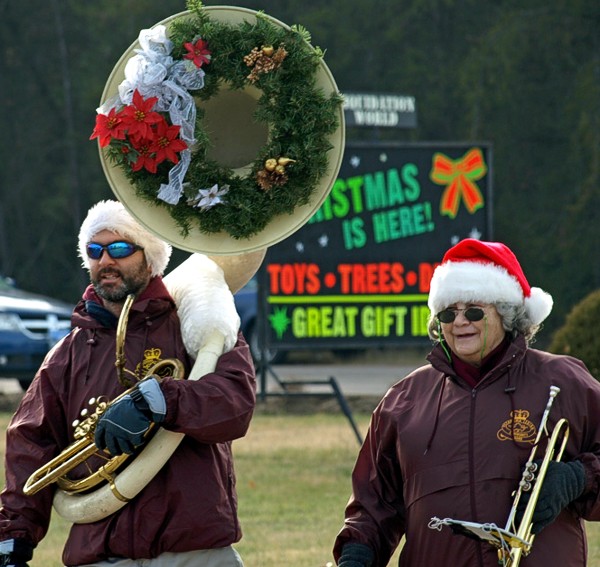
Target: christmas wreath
column 153, row 128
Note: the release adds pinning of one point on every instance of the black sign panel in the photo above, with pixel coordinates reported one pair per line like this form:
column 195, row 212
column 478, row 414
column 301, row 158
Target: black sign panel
column 358, row 273
column 380, row 110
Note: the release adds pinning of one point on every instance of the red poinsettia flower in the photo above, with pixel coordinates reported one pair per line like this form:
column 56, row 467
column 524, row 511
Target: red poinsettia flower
column 108, row 127
column 197, row 52
column 167, row 144
column 138, row 117
column 146, row 158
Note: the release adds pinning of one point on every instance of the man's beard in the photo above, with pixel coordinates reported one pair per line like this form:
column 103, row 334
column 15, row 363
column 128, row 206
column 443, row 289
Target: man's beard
column 132, row 283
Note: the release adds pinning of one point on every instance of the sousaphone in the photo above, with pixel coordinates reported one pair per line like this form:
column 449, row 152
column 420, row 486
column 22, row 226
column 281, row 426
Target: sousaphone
column 236, row 141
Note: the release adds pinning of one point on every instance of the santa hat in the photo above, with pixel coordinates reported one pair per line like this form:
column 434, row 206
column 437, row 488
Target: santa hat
column 112, row 215
column 486, row 272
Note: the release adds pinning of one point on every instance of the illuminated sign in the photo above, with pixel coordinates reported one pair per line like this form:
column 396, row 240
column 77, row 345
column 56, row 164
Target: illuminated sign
column 358, row 273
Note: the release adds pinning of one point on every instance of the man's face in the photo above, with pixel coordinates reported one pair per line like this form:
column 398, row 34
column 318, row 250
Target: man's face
column 114, row 279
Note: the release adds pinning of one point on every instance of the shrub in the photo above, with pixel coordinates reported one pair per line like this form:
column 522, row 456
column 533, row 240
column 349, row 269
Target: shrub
column 576, row 336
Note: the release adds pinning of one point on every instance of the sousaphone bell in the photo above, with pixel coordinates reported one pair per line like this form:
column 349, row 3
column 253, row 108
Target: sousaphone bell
column 236, row 140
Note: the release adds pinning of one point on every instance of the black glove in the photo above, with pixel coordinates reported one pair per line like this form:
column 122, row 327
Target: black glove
column 15, row 552
column 355, row 555
column 564, row 482
column 123, row 425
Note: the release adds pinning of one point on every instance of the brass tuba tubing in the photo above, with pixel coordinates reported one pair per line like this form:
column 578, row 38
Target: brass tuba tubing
column 84, row 447
column 81, row 450
column 71, row 457
column 107, row 499
column 522, row 544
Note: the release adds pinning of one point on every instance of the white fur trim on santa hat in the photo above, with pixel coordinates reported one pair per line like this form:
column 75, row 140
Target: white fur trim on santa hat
column 538, row 305
column 112, row 215
column 204, row 302
column 477, row 282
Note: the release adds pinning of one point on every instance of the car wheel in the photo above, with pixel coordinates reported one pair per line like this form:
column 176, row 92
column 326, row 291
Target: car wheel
column 273, row 355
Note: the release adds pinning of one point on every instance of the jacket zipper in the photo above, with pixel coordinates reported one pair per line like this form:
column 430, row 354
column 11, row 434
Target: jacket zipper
column 474, row 514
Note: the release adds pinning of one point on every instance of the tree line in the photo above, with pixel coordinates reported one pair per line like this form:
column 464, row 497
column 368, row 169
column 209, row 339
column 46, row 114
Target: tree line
column 523, row 76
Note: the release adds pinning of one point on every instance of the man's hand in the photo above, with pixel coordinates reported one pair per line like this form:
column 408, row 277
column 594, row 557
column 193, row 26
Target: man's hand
column 564, row 482
column 122, row 427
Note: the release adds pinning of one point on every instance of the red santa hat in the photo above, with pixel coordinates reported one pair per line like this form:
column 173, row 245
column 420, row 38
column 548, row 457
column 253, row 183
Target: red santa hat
column 475, row 271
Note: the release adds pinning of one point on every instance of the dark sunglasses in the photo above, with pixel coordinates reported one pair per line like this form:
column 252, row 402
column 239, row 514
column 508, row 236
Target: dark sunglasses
column 471, row 313
column 115, row 250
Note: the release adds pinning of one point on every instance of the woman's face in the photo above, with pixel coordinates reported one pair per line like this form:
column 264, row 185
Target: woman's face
column 472, row 341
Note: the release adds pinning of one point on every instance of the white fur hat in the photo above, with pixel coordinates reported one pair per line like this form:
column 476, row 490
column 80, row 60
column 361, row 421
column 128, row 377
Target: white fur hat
column 489, row 272
column 112, row 215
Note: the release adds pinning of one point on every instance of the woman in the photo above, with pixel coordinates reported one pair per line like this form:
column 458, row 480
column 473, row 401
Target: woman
column 451, row 439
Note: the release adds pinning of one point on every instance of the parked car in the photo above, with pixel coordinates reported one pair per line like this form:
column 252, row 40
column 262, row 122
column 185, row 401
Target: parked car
column 246, row 303
column 30, row 324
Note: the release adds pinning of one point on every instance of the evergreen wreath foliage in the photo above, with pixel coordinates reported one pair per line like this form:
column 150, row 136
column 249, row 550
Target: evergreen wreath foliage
column 298, row 115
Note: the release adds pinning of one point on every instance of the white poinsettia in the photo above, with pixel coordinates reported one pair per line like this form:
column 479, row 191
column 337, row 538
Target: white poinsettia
column 208, row 198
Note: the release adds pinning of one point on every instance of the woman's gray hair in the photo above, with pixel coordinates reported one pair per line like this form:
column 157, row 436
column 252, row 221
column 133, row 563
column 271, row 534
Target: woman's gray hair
column 514, row 320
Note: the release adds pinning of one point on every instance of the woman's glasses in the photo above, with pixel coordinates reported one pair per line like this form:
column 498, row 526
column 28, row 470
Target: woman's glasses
column 471, row 313
column 115, row 250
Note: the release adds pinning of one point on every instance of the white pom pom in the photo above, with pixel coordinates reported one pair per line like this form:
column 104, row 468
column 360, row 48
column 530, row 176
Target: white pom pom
column 539, row 305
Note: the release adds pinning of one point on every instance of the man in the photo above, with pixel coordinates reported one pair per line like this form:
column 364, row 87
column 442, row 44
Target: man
column 187, row 514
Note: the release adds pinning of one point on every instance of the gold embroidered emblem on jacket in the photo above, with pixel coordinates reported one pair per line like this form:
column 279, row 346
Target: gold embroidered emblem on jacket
column 518, row 427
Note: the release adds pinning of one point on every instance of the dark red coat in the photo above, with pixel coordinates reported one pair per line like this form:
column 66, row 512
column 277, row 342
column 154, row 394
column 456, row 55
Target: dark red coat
column 191, row 503
column 437, row 447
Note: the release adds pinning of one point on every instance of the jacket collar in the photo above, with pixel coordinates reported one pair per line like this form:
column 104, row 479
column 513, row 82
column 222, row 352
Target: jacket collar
column 90, row 311
column 515, row 351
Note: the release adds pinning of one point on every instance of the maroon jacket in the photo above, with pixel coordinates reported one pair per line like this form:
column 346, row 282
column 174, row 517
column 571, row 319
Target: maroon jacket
column 191, row 503
column 439, row 448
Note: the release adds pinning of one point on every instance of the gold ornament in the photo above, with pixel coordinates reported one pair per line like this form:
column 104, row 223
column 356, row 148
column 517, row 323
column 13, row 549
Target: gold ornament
column 273, row 173
column 270, row 164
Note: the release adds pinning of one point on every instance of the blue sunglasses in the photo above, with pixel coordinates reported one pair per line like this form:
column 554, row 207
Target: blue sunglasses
column 116, row 250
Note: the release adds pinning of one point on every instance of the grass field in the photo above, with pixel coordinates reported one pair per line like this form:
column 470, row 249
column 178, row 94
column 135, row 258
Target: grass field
column 293, row 482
